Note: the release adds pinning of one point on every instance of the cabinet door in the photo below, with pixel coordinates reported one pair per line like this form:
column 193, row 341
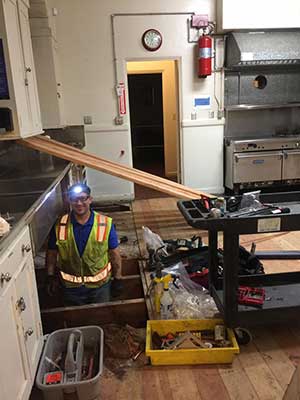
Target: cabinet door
column 17, row 63
column 30, row 75
column 29, row 312
column 59, row 86
column 14, row 373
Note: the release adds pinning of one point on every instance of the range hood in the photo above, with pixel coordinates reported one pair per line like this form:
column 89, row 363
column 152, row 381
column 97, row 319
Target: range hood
column 271, row 48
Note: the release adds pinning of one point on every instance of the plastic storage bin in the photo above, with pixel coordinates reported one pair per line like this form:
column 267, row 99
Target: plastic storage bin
column 222, row 355
column 61, row 343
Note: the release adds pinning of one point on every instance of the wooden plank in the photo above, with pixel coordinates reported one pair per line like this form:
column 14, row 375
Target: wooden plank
column 259, row 374
column 277, row 360
column 156, row 384
column 183, row 383
column 237, row 381
column 293, row 390
column 210, row 384
column 77, row 156
column 132, row 312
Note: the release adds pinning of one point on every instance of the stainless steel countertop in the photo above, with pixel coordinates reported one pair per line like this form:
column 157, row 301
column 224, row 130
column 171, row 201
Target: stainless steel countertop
column 38, row 201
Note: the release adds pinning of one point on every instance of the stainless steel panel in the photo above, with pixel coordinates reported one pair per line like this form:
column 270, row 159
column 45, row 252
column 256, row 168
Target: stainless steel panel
column 281, row 88
column 291, row 164
column 24, row 186
column 49, row 207
column 257, row 167
column 271, row 48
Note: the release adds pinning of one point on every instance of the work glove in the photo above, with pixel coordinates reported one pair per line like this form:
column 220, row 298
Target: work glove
column 116, row 287
column 52, row 284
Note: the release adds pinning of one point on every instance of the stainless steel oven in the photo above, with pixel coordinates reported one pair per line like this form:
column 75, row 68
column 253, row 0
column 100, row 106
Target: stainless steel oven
column 262, row 104
column 262, row 162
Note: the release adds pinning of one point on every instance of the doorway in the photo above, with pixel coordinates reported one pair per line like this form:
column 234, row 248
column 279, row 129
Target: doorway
column 154, row 104
column 146, row 121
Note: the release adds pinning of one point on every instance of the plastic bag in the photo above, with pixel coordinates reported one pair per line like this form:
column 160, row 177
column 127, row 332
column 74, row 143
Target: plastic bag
column 250, row 201
column 190, row 300
column 187, row 305
column 153, row 241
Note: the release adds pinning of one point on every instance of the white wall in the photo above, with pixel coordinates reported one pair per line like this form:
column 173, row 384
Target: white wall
column 84, row 33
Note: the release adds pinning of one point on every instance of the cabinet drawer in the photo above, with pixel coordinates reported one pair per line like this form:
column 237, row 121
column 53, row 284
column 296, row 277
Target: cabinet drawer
column 13, row 257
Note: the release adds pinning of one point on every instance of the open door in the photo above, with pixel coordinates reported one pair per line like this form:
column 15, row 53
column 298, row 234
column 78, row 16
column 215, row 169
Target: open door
column 153, row 108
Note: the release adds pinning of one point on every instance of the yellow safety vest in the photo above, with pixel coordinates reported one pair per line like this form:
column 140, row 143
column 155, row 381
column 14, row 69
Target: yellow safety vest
column 93, row 268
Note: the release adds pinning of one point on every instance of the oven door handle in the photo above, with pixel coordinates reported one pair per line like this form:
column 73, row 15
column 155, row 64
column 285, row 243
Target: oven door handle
column 287, row 153
column 262, row 155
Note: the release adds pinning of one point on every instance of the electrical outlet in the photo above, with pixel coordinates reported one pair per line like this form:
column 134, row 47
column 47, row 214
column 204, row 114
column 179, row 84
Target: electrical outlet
column 119, row 120
column 87, row 119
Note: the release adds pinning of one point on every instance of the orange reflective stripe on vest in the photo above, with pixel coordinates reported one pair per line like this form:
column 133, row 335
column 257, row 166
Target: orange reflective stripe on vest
column 62, row 227
column 101, row 276
column 102, row 228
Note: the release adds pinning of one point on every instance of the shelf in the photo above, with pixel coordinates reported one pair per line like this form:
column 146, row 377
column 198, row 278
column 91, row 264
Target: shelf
column 242, row 107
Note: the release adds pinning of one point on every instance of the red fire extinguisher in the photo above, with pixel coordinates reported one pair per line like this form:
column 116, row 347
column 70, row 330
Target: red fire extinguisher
column 205, row 55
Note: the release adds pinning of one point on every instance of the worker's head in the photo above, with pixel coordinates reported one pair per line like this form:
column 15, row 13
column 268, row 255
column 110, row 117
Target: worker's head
column 79, row 196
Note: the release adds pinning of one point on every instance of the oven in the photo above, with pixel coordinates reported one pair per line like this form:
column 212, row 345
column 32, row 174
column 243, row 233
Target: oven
column 262, row 162
column 262, row 104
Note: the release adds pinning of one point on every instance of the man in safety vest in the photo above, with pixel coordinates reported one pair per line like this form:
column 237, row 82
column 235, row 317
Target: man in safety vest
column 83, row 249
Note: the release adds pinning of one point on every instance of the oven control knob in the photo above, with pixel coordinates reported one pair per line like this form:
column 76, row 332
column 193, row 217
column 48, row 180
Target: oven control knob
column 297, row 145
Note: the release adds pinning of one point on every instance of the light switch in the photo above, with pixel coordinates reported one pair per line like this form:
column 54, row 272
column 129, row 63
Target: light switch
column 87, row 119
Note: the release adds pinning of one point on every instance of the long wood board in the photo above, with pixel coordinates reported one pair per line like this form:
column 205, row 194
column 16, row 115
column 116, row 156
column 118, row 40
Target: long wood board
column 80, row 157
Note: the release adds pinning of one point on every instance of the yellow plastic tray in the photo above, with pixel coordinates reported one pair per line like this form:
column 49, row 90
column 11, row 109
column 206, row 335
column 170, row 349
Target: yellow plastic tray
column 222, row 355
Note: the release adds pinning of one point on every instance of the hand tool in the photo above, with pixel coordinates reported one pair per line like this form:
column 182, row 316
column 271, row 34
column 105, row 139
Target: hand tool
column 53, row 378
column 249, row 296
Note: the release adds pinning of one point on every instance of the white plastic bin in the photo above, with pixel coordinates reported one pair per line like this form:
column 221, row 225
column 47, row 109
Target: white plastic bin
column 56, row 345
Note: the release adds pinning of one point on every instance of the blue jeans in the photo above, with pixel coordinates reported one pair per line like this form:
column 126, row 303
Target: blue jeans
column 82, row 295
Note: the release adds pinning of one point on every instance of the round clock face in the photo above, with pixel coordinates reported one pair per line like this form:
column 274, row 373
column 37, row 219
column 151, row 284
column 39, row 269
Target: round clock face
column 152, row 39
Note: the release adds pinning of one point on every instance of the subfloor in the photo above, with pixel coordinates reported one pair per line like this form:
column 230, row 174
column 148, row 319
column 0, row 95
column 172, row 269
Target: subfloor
column 262, row 370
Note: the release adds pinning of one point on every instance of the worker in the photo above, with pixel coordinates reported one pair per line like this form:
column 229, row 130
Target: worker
column 83, row 253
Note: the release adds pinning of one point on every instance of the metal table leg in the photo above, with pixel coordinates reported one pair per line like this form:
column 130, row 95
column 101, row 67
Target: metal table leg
column 230, row 278
column 212, row 258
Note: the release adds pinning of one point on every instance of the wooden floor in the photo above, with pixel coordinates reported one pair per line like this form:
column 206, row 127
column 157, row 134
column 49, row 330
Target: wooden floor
column 262, row 370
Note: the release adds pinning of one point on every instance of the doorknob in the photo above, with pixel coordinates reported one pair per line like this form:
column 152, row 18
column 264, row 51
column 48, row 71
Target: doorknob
column 21, row 304
column 5, row 277
column 27, row 333
column 26, row 248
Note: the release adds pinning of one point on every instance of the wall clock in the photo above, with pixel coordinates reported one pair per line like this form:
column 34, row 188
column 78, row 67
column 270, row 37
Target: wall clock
column 152, row 39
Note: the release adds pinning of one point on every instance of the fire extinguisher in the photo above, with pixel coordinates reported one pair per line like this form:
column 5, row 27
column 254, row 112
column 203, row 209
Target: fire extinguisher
column 205, row 56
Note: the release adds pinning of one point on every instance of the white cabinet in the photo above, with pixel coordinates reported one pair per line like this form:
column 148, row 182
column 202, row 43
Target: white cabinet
column 22, row 104
column 257, row 14
column 45, row 50
column 14, row 372
column 21, row 337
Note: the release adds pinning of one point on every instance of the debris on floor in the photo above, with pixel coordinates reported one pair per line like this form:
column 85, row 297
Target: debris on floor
column 124, row 347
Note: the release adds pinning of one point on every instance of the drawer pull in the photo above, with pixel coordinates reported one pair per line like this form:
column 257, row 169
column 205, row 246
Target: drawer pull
column 21, row 304
column 5, row 277
column 26, row 248
column 29, row 332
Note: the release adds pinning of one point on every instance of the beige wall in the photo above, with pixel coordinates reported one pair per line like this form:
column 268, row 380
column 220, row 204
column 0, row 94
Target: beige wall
column 170, row 101
column 91, row 69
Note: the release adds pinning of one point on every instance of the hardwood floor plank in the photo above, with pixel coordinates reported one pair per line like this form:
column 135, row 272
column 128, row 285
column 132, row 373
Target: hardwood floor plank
column 276, row 359
column 288, row 342
column 237, row 382
column 259, row 374
column 156, row 384
column 210, row 384
column 183, row 383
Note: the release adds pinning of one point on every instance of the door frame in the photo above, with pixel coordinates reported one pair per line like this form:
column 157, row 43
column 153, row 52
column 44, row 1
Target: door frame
column 177, row 64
